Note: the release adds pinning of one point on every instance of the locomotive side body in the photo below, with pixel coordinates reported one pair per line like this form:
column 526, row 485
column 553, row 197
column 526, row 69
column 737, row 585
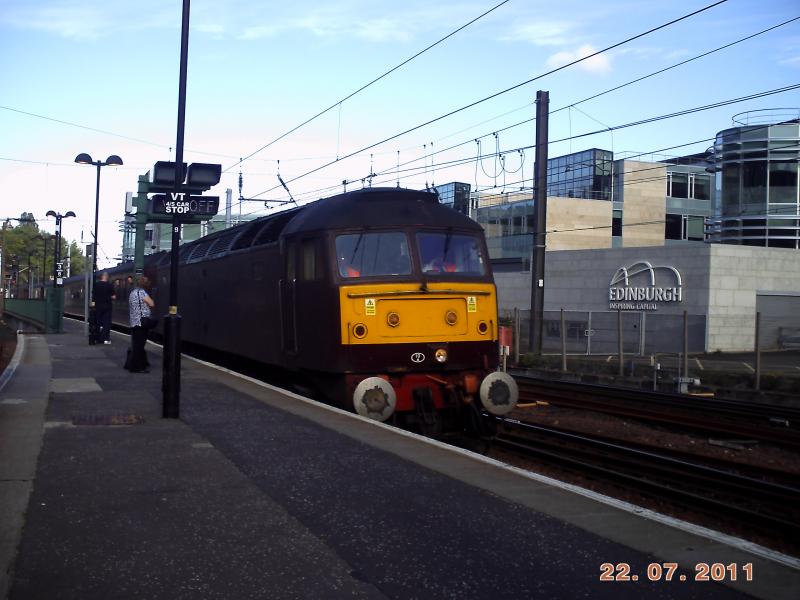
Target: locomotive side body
column 383, row 298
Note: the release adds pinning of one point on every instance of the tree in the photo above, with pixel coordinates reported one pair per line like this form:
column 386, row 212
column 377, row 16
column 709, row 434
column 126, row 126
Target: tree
column 26, row 242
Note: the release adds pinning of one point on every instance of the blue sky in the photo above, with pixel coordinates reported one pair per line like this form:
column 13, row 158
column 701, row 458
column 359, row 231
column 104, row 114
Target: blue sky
column 257, row 69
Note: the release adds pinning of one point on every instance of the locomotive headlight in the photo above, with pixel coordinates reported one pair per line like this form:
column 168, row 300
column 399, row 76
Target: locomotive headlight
column 483, row 327
column 360, row 330
column 451, row 318
column 393, row 319
column 440, row 355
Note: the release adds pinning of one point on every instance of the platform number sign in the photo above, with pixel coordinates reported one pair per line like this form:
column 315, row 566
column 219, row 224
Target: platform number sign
column 59, row 274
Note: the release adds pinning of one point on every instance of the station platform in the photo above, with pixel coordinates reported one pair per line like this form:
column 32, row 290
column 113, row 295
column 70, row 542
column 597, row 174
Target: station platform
column 256, row 492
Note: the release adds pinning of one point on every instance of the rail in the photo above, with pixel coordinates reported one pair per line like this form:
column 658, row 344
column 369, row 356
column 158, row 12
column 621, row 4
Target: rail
column 778, row 425
column 752, row 500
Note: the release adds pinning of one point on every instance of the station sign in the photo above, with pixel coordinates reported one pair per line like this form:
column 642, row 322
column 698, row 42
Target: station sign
column 636, row 287
column 184, row 205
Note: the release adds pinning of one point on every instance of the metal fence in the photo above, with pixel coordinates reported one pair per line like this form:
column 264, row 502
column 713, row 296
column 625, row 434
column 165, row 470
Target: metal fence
column 597, row 332
column 779, row 322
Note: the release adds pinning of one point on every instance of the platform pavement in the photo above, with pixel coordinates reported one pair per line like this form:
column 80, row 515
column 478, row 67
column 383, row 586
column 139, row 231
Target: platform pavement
column 255, row 493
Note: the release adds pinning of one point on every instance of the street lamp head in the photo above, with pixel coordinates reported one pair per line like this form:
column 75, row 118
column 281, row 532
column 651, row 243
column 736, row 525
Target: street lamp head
column 69, row 214
column 83, row 159
column 114, row 161
column 51, row 213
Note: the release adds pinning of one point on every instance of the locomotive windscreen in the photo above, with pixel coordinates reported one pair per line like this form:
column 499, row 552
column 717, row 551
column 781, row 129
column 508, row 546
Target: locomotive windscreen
column 373, row 254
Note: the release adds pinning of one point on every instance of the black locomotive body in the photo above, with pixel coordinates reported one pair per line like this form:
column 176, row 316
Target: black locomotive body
column 381, row 297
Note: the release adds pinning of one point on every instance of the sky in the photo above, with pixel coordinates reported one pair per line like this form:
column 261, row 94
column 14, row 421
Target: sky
column 101, row 77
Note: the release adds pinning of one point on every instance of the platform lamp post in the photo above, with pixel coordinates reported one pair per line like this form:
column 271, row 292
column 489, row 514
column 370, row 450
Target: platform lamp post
column 113, row 161
column 45, row 239
column 57, row 249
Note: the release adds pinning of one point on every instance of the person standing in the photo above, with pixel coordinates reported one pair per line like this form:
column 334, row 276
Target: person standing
column 139, row 305
column 103, row 294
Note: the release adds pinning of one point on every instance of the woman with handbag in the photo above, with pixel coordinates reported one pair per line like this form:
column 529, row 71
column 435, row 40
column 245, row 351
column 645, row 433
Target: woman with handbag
column 139, row 305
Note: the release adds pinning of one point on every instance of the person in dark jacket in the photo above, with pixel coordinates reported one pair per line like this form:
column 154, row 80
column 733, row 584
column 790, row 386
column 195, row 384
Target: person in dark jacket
column 103, row 295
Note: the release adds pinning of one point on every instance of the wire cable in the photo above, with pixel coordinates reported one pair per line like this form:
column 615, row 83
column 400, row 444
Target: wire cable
column 365, row 86
column 496, row 94
column 608, row 91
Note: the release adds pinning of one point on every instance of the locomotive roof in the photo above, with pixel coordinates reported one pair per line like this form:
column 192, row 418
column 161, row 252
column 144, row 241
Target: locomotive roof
column 368, row 207
column 378, row 207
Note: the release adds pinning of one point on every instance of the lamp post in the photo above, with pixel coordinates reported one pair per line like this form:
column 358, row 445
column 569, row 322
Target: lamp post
column 114, row 161
column 45, row 239
column 57, row 250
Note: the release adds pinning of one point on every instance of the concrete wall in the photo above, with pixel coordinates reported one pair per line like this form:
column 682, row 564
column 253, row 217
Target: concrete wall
column 576, row 223
column 642, row 189
column 737, row 274
column 719, row 281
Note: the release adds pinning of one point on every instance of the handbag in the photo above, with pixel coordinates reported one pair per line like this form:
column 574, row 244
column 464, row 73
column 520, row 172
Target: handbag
column 147, row 322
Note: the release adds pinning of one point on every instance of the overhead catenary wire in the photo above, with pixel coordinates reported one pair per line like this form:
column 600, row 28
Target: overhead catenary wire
column 375, row 80
column 297, row 159
column 610, row 90
column 501, row 92
column 412, row 172
column 622, row 126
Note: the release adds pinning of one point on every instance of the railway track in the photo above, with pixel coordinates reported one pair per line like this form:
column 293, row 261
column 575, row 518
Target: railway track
column 779, row 425
column 761, row 500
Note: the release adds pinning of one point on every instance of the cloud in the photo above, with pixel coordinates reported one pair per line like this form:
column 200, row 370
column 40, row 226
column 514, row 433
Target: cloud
column 792, row 62
column 546, row 33
column 80, row 20
column 328, row 25
column 597, row 64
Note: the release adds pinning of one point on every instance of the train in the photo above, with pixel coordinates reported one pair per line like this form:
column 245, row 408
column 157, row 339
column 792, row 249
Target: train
column 382, row 298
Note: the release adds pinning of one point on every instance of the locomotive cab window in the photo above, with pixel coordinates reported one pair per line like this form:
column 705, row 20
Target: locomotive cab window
column 447, row 252
column 373, row 254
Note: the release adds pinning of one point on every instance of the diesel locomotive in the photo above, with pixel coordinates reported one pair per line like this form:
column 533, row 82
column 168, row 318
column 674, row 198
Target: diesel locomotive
column 382, row 298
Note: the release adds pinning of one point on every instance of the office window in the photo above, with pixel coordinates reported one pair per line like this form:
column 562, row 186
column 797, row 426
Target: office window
column 702, row 187
column 782, row 182
column 678, row 185
column 694, row 229
column 673, row 227
column 616, row 224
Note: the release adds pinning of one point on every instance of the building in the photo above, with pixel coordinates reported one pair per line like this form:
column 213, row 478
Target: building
column 643, row 204
column 721, row 287
column 757, row 166
column 585, row 174
column 631, row 242
column 455, row 195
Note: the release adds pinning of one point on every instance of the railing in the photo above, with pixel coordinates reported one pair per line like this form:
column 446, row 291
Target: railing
column 765, row 116
column 47, row 314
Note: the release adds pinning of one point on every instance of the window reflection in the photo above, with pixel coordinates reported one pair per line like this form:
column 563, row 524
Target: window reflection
column 371, row 254
column 450, row 253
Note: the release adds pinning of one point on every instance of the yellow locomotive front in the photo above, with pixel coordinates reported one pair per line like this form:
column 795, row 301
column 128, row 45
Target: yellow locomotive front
column 418, row 312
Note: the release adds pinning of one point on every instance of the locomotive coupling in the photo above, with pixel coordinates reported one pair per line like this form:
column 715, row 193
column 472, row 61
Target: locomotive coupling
column 375, row 398
column 499, row 393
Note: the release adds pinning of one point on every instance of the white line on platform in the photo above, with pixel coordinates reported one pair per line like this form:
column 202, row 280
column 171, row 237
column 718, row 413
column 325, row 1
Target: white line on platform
column 8, row 373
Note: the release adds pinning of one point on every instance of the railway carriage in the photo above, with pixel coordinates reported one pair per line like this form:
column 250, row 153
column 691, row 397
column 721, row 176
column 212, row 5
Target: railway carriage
column 382, row 297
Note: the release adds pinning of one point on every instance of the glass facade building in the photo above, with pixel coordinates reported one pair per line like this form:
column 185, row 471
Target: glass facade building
column 585, row 174
column 757, row 173
column 455, row 195
column 690, row 196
